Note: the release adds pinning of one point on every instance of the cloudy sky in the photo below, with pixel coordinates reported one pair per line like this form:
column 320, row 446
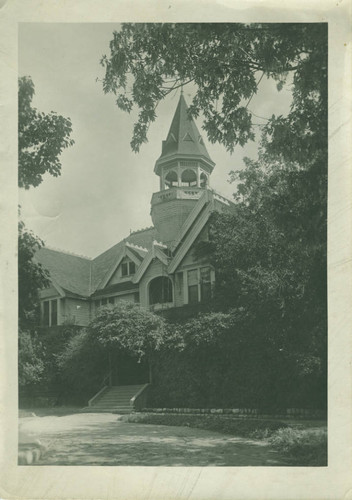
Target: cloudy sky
column 105, row 189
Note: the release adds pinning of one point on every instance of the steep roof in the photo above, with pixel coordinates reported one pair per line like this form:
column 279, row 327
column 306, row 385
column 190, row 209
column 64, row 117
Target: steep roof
column 103, row 263
column 83, row 276
column 183, row 138
column 71, row 272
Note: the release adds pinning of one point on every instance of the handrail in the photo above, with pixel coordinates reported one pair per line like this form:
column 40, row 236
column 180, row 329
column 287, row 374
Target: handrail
column 103, row 389
column 142, row 389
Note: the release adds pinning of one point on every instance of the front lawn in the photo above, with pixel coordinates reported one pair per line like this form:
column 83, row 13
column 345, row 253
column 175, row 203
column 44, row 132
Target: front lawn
column 304, row 447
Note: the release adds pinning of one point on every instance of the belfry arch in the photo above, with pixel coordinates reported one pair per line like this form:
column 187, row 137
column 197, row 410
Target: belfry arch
column 189, row 178
column 171, row 179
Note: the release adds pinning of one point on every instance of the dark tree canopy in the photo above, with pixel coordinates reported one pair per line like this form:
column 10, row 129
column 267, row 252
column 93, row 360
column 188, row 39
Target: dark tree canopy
column 41, row 138
column 31, row 276
column 226, row 62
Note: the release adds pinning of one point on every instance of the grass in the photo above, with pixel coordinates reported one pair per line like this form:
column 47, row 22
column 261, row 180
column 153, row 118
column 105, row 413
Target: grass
column 306, row 447
column 247, row 428
column 302, row 446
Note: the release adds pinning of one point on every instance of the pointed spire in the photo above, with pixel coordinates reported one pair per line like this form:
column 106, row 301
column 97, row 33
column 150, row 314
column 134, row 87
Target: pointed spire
column 183, row 139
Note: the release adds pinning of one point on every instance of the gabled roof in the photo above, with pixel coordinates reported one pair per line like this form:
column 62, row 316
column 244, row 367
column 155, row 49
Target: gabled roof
column 183, row 138
column 154, row 253
column 103, row 263
column 83, row 276
column 193, row 225
column 71, row 272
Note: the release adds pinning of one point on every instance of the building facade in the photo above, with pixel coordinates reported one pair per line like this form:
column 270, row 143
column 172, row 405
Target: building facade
column 155, row 267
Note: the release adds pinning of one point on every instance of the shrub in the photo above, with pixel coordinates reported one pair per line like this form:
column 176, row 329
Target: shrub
column 304, row 446
column 233, row 426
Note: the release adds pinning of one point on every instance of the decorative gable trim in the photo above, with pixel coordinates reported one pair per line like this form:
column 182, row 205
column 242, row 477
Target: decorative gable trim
column 190, row 239
column 154, row 253
column 137, row 247
column 126, row 253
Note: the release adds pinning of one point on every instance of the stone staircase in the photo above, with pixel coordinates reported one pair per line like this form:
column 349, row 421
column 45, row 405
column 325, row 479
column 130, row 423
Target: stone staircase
column 113, row 399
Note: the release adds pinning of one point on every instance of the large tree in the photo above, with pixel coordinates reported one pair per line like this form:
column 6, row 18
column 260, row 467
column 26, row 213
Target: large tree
column 41, row 138
column 224, row 61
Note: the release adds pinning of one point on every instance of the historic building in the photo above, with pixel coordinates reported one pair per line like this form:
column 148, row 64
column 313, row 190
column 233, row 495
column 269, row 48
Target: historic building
column 155, row 267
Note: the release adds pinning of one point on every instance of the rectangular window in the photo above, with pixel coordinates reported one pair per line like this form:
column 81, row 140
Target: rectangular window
column 132, row 267
column 192, row 280
column 124, row 269
column 46, row 313
column 104, row 302
column 111, row 300
column 205, row 284
column 53, row 313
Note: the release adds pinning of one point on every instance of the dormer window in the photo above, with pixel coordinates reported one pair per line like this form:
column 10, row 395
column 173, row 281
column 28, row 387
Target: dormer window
column 128, row 268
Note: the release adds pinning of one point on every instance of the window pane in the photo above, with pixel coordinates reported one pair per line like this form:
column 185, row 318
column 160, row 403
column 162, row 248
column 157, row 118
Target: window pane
column 160, row 290
column 193, row 294
column 132, row 267
column 104, row 302
column 124, row 269
column 111, row 300
column 192, row 277
column 46, row 314
column 53, row 312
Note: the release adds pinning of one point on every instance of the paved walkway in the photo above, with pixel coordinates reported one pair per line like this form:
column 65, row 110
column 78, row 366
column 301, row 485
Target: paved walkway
column 101, row 439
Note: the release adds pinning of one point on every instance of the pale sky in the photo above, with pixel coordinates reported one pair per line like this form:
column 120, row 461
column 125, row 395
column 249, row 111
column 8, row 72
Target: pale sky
column 105, row 189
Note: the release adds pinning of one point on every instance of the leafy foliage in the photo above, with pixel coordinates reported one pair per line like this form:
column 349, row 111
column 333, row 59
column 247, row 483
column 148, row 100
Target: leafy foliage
column 30, row 359
column 233, row 426
column 31, row 276
column 306, row 447
column 123, row 327
column 224, row 61
column 41, row 138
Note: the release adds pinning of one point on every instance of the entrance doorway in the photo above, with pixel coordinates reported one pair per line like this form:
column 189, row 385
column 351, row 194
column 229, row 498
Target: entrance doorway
column 126, row 370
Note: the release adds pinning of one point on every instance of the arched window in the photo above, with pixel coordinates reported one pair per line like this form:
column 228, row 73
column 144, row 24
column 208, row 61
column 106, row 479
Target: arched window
column 160, row 290
column 189, row 178
column 203, row 180
column 171, row 179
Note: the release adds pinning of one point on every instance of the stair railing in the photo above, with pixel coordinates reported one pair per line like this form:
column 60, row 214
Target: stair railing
column 102, row 390
column 139, row 400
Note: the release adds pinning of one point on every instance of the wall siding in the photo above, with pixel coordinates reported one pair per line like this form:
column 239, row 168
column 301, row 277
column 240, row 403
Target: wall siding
column 76, row 311
column 179, row 289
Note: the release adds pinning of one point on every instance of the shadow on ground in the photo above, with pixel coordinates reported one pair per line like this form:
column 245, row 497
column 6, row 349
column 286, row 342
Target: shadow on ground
column 101, row 439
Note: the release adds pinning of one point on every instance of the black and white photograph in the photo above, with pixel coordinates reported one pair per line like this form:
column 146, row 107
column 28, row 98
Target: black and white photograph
column 172, row 244
column 174, row 295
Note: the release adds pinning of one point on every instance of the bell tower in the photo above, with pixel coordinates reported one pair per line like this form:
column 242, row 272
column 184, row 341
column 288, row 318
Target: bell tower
column 184, row 167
